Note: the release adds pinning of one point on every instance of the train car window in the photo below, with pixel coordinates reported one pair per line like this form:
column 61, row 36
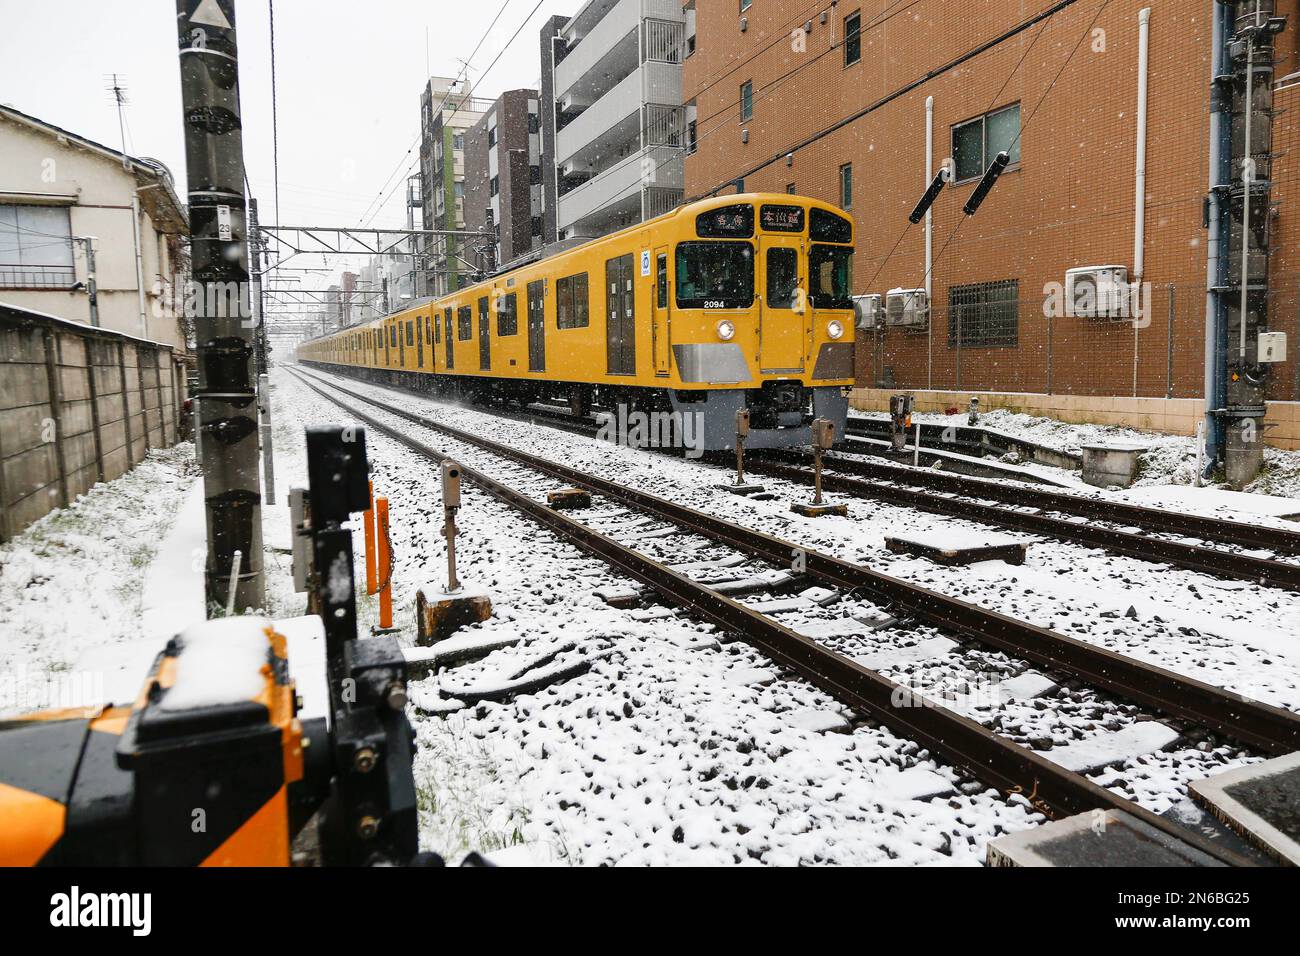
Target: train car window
column 782, row 278
column 715, row 275
column 825, row 226
column 428, row 330
column 507, row 313
column 572, row 304
column 830, row 270
column 464, row 323
column 410, row 337
column 447, row 324
column 661, row 281
column 726, row 222
column 775, row 218
column 392, row 336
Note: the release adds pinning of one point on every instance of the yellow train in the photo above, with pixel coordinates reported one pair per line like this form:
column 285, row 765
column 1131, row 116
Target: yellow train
column 741, row 301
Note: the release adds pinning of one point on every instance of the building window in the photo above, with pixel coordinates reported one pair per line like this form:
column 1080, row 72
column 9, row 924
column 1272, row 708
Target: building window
column 984, row 315
column 745, row 5
column 532, row 122
column 852, row 38
column 534, row 175
column 458, row 141
column 789, row 188
column 746, row 100
column 36, row 247
column 507, row 313
column 976, row 142
column 846, row 186
column 495, row 184
column 492, row 136
column 536, row 226
column 571, row 302
column 691, row 141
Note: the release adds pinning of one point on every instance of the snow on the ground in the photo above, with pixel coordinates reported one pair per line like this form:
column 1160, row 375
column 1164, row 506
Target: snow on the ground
column 1243, row 636
column 75, row 580
column 670, row 748
column 1239, row 630
column 1169, row 460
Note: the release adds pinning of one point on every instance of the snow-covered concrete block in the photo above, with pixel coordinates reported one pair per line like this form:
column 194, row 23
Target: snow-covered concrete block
column 954, row 546
column 1112, row 464
column 439, row 613
column 1096, row 838
column 1261, row 802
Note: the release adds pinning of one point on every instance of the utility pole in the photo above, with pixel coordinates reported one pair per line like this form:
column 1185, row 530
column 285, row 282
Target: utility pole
column 226, row 399
column 92, row 285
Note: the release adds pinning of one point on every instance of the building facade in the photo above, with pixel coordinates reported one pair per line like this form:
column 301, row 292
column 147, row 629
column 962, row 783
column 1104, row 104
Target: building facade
column 863, row 106
column 61, row 193
column 447, row 112
column 503, row 179
column 612, row 115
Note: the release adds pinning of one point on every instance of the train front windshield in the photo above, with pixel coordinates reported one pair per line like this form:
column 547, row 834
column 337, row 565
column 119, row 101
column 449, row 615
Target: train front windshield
column 715, row 275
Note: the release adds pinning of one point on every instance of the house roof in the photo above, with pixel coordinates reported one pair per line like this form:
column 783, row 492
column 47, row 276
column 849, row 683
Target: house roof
column 150, row 172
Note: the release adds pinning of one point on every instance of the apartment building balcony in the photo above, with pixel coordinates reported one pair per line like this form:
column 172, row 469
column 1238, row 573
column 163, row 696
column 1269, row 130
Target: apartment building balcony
column 615, row 116
column 615, row 192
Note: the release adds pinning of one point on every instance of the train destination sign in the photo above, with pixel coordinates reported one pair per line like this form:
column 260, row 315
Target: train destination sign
column 781, row 218
column 726, row 222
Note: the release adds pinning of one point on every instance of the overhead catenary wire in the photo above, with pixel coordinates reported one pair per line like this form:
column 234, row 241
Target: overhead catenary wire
column 384, row 193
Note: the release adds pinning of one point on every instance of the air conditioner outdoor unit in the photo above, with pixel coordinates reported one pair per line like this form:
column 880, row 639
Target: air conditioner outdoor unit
column 867, row 308
column 907, row 309
column 1097, row 292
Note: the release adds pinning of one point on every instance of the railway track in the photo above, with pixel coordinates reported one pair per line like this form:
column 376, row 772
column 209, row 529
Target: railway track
column 1123, row 529
column 967, row 744
column 1146, row 534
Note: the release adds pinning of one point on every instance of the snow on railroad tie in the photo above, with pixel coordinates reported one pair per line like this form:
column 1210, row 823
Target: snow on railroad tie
column 926, row 650
column 1112, row 747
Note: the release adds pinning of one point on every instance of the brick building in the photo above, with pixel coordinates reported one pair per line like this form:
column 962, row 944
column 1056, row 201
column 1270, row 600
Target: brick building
column 830, row 100
column 503, row 178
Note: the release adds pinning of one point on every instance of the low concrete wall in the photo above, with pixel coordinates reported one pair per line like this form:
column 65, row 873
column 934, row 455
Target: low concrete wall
column 1173, row 416
column 77, row 405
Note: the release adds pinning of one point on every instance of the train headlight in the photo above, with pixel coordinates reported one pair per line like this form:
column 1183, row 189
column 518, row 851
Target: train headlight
column 726, row 330
column 835, row 328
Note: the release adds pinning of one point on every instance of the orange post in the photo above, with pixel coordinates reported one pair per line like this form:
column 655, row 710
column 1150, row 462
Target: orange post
column 384, row 564
column 371, row 586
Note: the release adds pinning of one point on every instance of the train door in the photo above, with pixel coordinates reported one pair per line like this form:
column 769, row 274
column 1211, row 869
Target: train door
column 537, row 325
column 783, row 306
column 419, row 340
column 484, row 335
column 620, row 309
column 448, row 336
column 386, row 330
column 661, row 347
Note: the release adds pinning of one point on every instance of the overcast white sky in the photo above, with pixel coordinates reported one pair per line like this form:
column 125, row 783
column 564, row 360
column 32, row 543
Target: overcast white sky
column 349, row 77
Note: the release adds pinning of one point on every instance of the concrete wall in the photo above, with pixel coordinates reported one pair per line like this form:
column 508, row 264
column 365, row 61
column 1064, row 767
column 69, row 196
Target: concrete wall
column 77, row 406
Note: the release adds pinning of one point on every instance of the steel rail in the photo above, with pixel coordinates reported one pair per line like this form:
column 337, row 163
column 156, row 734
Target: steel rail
column 1280, row 540
column 1263, row 726
column 1193, row 557
column 964, row 743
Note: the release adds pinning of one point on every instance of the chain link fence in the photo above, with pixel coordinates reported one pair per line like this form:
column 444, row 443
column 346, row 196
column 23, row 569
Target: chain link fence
column 990, row 337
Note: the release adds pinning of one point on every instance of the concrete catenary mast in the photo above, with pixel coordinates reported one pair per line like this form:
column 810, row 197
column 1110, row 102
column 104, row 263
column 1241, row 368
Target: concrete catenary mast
column 226, row 399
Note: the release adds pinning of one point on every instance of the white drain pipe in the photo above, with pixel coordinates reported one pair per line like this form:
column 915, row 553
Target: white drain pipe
column 1140, row 185
column 929, row 241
